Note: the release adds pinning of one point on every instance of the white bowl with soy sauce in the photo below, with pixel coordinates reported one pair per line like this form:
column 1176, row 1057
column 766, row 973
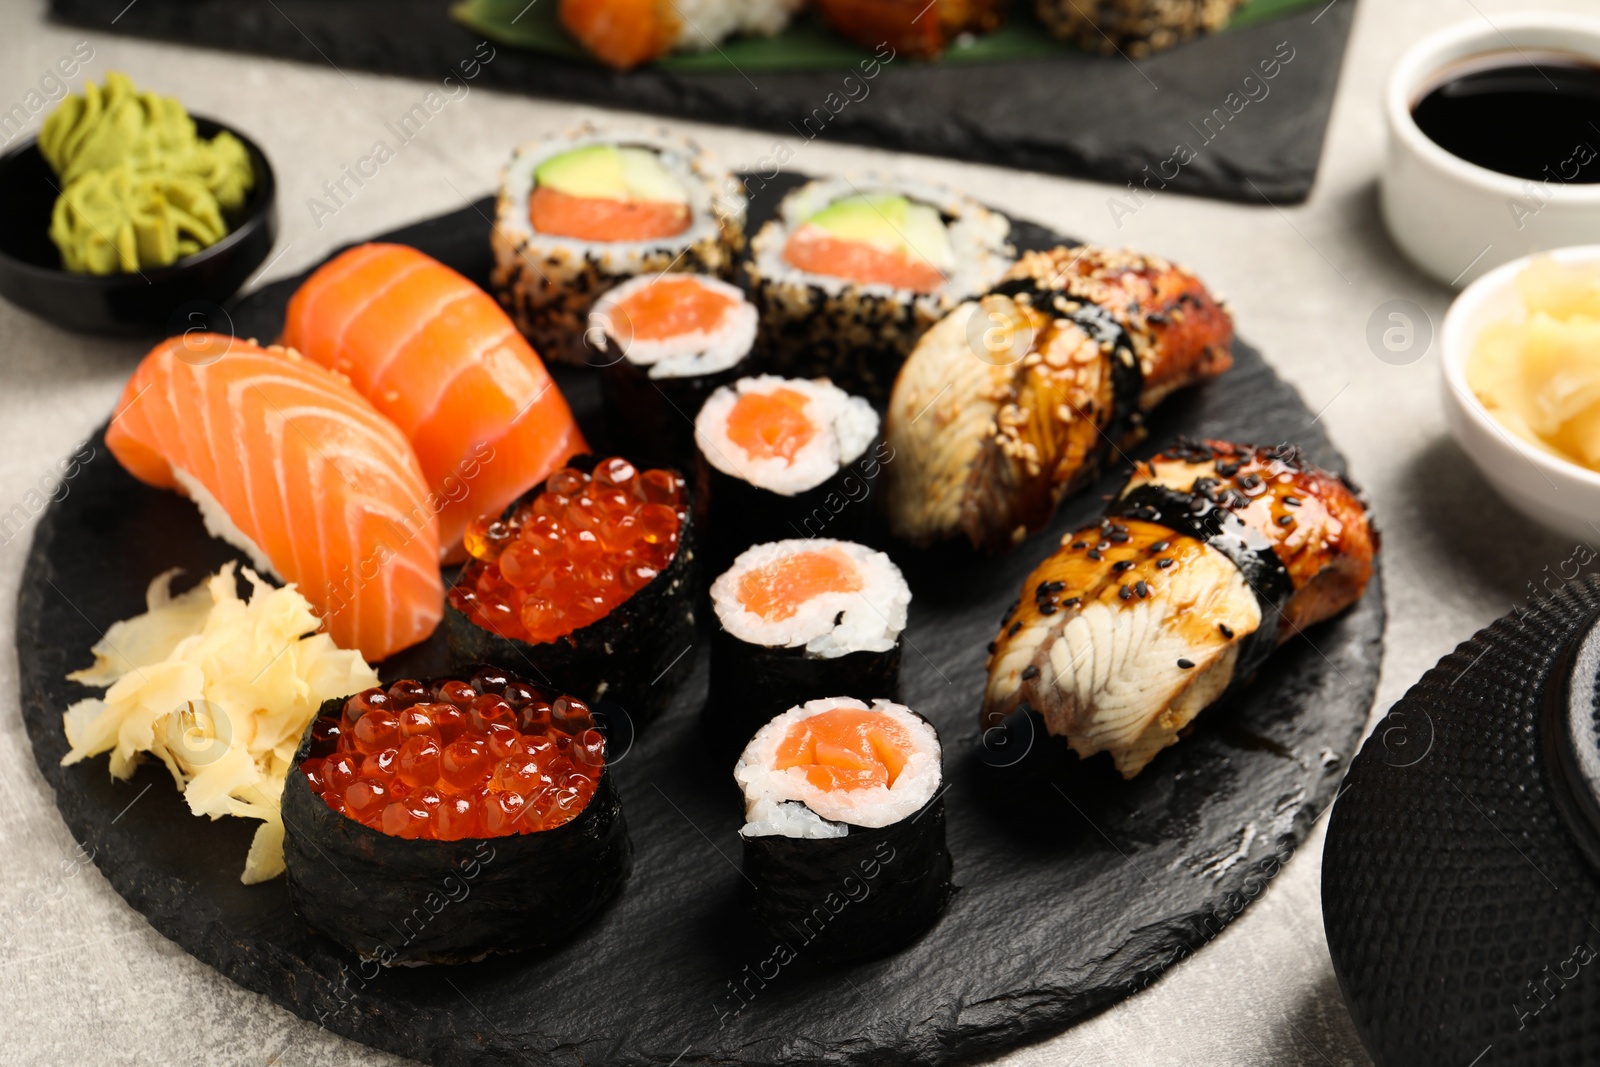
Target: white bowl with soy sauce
column 1494, row 143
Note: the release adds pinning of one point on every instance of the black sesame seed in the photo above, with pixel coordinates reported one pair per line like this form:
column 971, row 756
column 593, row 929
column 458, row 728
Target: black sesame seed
column 1072, row 601
column 1285, row 520
column 1185, row 665
column 1047, row 608
column 1030, row 672
column 1094, row 554
column 1160, row 546
column 1102, row 546
column 1142, row 588
column 1080, row 544
column 991, row 648
column 1120, row 566
column 1118, row 536
column 1016, row 626
column 1163, row 563
column 1125, row 593
column 1227, row 631
column 1291, row 501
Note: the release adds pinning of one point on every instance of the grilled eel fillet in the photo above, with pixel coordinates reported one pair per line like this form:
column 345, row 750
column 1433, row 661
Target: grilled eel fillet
column 1012, row 402
column 1212, row 555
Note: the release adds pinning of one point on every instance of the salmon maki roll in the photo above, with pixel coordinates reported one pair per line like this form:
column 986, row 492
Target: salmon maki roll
column 435, row 354
column 1013, row 401
column 1212, row 555
column 845, row 800
column 664, row 344
column 292, row 466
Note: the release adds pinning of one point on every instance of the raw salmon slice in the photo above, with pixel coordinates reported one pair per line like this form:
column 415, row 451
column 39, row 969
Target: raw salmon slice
column 768, row 425
column 291, row 464
column 778, row 590
column 846, row 749
column 816, row 251
column 672, row 307
column 435, row 354
column 595, row 218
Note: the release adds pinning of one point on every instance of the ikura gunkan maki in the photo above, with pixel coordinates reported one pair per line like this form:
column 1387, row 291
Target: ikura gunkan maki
column 783, row 457
column 580, row 212
column 844, row 843
column 441, row 821
column 664, row 343
column 850, row 275
column 798, row 619
column 589, row 581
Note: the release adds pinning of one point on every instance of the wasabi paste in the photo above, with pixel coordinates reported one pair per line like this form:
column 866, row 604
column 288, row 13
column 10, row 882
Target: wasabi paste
column 139, row 187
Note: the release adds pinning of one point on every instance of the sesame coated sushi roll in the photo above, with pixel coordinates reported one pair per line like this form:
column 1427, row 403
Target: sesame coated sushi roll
column 481, row 796
column 783, row 457
column 580, row 212
column 850, row 274
column 801, row 619
column 665, row 342
column 587, row 582
column 844, row 842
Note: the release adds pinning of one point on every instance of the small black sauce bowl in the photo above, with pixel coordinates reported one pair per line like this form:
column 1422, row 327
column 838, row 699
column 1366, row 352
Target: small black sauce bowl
column 140, row 302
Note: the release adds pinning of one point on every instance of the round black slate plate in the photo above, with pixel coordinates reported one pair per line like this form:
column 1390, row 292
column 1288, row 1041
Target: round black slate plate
column 1457, row 897
column 1076, row 888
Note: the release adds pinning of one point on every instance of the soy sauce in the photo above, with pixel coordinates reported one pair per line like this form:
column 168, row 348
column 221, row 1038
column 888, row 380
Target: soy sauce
column 1536, row 117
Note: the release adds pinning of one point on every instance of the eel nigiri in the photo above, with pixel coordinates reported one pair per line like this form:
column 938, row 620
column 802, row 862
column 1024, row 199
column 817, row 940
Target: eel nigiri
column 288, row 463
column 1212, row 555
column 1013, row 401
column 438, row 356
column 625, row 33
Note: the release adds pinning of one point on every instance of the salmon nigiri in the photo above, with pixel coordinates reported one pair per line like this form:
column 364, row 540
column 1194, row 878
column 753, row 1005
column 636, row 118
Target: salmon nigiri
column 436, row 354
column 290, row 464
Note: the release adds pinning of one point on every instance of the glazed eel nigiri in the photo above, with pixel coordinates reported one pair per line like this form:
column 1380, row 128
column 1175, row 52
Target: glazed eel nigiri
column 1013, row 401
column 1212, row 555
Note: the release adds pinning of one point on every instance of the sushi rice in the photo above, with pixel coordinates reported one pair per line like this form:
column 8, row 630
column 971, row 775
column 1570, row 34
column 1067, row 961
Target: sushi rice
column 847, row 425
column 785, row 803
column 686, row 355
column 830, row 624
column 549, row 282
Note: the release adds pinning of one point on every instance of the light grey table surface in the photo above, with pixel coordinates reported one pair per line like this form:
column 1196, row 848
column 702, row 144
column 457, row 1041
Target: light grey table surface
column 84, row 979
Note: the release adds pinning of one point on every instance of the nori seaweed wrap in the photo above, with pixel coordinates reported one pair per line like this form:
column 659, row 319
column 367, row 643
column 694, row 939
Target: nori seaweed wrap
column 391, row 889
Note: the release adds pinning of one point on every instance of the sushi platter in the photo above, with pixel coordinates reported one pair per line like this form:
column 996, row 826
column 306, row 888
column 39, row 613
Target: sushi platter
column 998, row 99
column 717, row 739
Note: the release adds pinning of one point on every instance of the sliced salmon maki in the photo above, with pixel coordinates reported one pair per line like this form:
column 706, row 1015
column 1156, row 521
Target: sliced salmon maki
column 1212, row 555
column 438, row 356
column 290, row 464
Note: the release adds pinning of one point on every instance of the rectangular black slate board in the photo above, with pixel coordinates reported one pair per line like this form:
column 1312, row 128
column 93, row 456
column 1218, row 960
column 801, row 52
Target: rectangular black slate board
column 1090, row 116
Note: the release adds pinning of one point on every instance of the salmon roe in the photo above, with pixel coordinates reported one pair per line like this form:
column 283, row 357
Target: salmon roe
column 568, row 557
column 485, row 758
